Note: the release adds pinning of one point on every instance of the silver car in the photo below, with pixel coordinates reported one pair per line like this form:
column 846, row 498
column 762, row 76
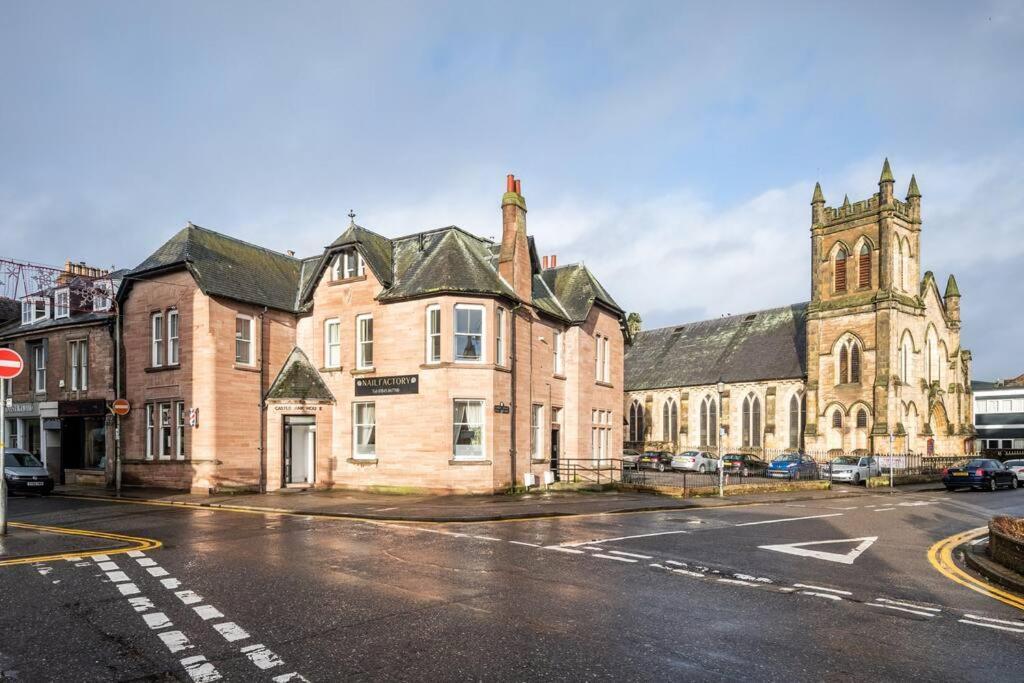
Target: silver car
column 1017, row 466
column 695, row 461
column 25, row 474
column 853, row 468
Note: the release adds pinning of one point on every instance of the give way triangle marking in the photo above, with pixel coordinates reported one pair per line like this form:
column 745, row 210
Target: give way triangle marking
column 801, row 549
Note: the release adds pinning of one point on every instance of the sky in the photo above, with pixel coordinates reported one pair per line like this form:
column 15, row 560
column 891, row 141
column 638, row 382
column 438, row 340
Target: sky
column 673, row 147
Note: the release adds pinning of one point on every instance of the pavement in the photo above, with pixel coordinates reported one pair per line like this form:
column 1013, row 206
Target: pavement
column 824, row 588
column 439, row 508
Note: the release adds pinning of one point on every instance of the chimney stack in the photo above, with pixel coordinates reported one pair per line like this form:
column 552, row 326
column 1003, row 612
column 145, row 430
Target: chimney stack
column 514, row 259
column 544, row 262
column 554, row 260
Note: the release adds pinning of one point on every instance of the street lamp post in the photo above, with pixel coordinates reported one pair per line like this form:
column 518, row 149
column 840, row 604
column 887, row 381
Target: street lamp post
column 721, row 433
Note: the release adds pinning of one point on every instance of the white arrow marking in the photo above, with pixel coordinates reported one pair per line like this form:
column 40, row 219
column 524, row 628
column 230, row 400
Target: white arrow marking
column 800, row 549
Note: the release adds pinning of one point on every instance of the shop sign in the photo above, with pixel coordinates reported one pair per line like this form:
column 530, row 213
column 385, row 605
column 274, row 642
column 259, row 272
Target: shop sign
column 384, row 386
column 51, row 423
column 89, row 408
column 21, row 408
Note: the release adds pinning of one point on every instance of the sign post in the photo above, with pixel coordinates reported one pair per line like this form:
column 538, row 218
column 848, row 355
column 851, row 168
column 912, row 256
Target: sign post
column 891, row 462
column 11, row 365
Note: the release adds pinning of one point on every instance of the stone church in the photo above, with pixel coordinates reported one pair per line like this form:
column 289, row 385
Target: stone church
column 874, row 354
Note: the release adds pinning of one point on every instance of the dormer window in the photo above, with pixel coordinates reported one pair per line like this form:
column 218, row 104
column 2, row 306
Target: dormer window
column 34, row 308
column 62, row 303
column 102, row 297
column 348, row 264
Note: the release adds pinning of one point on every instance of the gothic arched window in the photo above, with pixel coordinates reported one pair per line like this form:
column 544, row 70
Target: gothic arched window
column 636, row 422
column 864, row 266
column 670, row 420
column 855, row 362
column 796, row 420
column 837, row 419
column 751, row 421
column 844, row 366
column 708, row 422
column 840, row 270
column 862, row 418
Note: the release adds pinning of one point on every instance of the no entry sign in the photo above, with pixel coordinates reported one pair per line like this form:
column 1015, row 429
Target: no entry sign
column 120, row 407
column 11, row 364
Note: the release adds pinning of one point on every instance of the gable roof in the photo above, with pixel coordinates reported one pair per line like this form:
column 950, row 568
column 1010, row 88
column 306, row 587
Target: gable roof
column 575, row 289
column 228, row 267
column 764, row 345
column 299, row 381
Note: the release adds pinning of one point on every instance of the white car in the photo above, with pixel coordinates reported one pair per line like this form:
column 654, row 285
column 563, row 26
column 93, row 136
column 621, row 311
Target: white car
column 853, row 468
column 1017, row 466
column 695, row 461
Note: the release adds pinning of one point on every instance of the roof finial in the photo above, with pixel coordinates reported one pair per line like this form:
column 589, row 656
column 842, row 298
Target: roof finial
column 351, row 217
column 886, row 173
column 912, row 191
column 818, row 197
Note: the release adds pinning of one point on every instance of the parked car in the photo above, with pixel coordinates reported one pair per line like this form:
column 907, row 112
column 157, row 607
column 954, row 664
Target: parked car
column 695, row 461
column 743, row 464
column 629, row 456
column 25, row 474
column 852, row 468
column 979, row 473
column 793, row 466
column 1017, row 467
column 655, row 460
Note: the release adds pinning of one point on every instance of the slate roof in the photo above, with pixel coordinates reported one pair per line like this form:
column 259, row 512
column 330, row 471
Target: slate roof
column 764, row 345
column 299, row 381
column 228, row 267
column 9, row 310
column 80, row 287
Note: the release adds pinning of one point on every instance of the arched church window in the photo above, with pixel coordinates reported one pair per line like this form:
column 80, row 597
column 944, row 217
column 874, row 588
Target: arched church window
column 844, row 365
column 708, row 422
column 855, row 362
column 670, row 420
column 840, row 270
column 864, row 266
column 796, row 421
column 752, row 421
column 901, row 281
column 862, row 418
column 837, row 419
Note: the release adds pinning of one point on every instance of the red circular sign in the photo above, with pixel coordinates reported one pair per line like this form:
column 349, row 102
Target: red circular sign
column 11, row 364
column 120, row 407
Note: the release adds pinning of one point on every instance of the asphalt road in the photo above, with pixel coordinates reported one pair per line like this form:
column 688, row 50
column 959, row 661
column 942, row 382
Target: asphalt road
column 682, row 595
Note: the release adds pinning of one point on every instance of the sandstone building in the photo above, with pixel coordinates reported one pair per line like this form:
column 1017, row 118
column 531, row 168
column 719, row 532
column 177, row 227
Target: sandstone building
column 876, row 352
column 437, row 361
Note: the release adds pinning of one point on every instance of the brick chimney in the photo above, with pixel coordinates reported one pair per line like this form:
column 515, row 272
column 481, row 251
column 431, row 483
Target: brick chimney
column 514, row 259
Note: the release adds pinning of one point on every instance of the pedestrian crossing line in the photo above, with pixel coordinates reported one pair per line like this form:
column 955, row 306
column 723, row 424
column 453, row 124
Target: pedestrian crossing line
column 1018, row 624
column 200, row 670
column 231, row 631
column 261, row 656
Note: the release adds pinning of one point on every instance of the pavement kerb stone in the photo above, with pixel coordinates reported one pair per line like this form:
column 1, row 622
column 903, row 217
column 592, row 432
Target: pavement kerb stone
column 976, row 559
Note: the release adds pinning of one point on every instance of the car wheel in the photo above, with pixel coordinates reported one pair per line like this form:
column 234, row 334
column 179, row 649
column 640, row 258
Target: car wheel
column 856, row 479
column 992, row 484
column 661, row 467
column 701, row 469
column 746, row 472
column 1014, row 483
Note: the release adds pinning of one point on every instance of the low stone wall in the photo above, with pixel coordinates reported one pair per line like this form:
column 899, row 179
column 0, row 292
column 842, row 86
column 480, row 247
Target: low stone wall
column 731, row 490
column 1006, row 550
column 900, row 479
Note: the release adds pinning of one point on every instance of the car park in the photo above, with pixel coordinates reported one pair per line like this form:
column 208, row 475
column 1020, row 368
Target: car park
column 979, row 473
column 1017, row 467
column 655, row 460
column 743, row 464
column 695, row 461
column 852, row 468
column 793, row 466
column 25, row 474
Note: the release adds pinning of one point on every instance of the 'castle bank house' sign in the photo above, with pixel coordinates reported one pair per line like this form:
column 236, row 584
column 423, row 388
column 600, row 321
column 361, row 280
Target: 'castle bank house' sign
column 383, row 386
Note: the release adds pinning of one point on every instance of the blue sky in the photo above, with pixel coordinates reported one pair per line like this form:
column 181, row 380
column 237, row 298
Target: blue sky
column 681, row 139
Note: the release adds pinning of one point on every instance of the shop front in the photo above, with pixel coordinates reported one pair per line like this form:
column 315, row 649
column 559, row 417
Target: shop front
column 83, row 441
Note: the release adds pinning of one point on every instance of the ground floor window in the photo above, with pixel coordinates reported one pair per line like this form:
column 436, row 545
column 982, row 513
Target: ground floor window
column 536, row 432
column 165, row 430
column 468, row 426
column 364, row 430
column 600, row 436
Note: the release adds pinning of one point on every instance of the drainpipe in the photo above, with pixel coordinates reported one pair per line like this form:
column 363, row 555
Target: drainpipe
column 117, row 395
column 263, row 404
column 512, row 402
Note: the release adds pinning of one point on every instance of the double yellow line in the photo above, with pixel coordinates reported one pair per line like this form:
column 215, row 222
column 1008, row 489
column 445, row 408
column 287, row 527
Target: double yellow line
column 134, row 543
column 940, row 556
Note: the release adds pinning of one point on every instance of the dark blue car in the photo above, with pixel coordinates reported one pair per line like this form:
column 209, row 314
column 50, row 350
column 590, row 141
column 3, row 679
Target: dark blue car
column 793, row 466
column 980, row 473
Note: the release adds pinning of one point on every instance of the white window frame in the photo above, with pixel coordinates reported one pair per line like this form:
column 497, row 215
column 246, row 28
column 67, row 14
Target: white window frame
column 362, row 343
column 39, row 353
column 537, row 431
column 30, row 310
column 607, row 360
column 61, row 303
column 102, row 300
column 499, row 337
column 251, row 360
column 156, row 339
column 1018, row 405
column 79, row 352
column 173, row 337
column 336, row 268
column 166, row 421
column 332, row 349
column 352, row 264
column 432, row 333
column 559, row 352
column 368, row 452
column 150, row 431
column 179, row 433
column 482, row 455
column 482, row 346
column 598, row 360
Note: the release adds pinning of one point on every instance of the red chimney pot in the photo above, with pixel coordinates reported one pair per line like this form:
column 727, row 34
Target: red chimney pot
column 554, row 260
column 510, row 183
column 519, row 186
column 544, row 262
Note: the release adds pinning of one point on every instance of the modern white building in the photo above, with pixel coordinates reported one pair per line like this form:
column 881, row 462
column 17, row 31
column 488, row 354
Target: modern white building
column 999, row 415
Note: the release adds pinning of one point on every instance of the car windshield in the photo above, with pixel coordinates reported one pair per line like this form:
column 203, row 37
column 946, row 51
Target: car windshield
column 21, row 459
column 792, row 457
column 732, row 457
column 689, row 454
column 845, row 460
column 977, row 462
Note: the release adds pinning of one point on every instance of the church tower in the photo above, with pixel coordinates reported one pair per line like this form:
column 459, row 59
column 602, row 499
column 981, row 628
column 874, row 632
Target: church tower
column 870, row 323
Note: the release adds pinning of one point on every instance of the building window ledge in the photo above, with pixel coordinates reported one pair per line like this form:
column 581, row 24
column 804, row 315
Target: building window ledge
column 246, row 368
column 562, row 377
column 163, row 368
column 363, row 371
column 603, row 384
column 361, row 461
column 348, row 280
column 538, row 460
column 467, row 461
column 337, row 369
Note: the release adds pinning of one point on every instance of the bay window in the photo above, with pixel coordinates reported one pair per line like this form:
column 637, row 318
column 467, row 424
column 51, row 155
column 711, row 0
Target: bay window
column 469, row 333
column 433, row 334
column 499, row 337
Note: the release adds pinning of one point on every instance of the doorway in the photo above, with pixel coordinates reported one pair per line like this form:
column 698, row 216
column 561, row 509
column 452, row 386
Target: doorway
column 299, row 449
column 555, row 433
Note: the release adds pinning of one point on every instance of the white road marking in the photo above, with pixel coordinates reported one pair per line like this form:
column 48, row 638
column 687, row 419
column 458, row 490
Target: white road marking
column 623, row 538
column 83, row 564
column 918, row 612
column 591, row 547
column 902, row 603
column 136, row 553
column 207, row 612
column 678, row 564
column 883, row 509
column 189, row 597
column 72, row 559
column 822, row 588
column 625, row 554
column 613, row 557
column 141, row 604
column 748, row 577
column 293, row 676
column 231, row 631
column 979, row 541
column 200, row 670
column 45, row 570
column 821, row 595
column 108, row 566
column 117, row 577
column 262, row 657
column 488, row 538
column 1001, row 628
column 146, row 562
column 532, row 545
column 100, row 558
column 738, row 582
column 687, row 572
column 800, row 549
column 563, row 550
column 157, row 620
column 170, row 584
column 1019, row 624
column 789, row 519
column 128, row 588
column 157, row 571
column 176, row 641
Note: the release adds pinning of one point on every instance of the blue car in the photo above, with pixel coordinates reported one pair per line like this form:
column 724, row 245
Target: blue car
column 793, row 466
